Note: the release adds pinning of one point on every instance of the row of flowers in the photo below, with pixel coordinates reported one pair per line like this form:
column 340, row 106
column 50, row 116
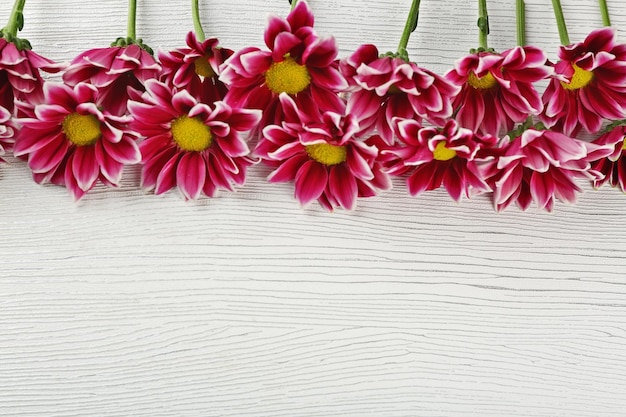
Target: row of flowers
column 196, row 118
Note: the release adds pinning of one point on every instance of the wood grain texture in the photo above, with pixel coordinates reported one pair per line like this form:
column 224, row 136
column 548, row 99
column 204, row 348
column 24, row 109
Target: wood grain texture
column 127, row 304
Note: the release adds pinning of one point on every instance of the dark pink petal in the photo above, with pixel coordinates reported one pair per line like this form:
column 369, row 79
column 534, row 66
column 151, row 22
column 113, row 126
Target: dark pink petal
column 70, row 180
column 343, row 186
column 288, row 169
column 190, row 175
column 310, row 182
column 454, row 182
column 219, row 176
column 85, row 167
column 243, row 120
column 110, row 168
column 300, row 16
column 233, row 146
column 166, row 177
column 283, row 44
column 358, row 165
column 508, row 184
column 43, row 160
column 125, row 151
column 275, row 25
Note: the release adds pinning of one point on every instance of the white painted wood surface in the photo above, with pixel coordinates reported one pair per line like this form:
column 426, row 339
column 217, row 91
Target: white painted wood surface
column 127, row 304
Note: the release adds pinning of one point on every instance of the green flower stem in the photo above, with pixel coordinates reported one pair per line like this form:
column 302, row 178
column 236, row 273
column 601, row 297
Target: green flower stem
column 293, row 4
column 132, row 17
column 409, row 27
column 520, row 14
column 16, row 20
column 197, row 25
column 606, row 20
column 560, row 22
column 483, row 24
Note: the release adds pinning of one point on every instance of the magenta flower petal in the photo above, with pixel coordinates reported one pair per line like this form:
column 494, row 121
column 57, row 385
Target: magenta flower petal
column 310, row 181
column 166, row 178
column 85, row 167
column 48, row 158
column 299, row 63
column 189, row 143
column 497, row 90
column 190, row 175
column 541, row 166
column 343, row 186
column 411, row 91
column 588, row 85
column 70, row 141
column 20, row 77
column 115, row 71
column 288, row 169
column 196, row 68
column 612, row 167
column 438, row 156
column 323, row 156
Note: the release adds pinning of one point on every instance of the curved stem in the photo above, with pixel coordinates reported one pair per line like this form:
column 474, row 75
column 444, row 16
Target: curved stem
column 604, row 9
column 293, row 4
column 483, row 24
column 560, row 22
column 520, row 13
column 16, row 19
column 409, row 27
column 197, row 25
column 132, row 17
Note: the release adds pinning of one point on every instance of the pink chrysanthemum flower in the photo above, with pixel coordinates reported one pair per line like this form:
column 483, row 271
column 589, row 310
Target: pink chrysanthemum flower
column 7, row 131
column 72, row 142
column 541, row 166
column 589, row 86
column 117, row 71
column 196, row 68
column 497, row 90
column 322, row 156
column 20, row 78
column 387, row 87
column 193, row 145
column 298, row 63
column 437, row 156
column 613, row 167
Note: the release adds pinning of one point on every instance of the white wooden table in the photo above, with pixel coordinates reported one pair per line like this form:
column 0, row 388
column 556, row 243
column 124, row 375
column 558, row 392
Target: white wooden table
column 127, row 304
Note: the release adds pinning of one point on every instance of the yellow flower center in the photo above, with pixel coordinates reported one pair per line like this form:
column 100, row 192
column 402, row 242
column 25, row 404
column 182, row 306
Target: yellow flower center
column 624, row 143
column 327, row 154
column 82, row 129
column 442, row 153
column 191, row 134
column 203, row 68
column 580, row 78
column 287, row 77
column 394, row 90
column 482, row 83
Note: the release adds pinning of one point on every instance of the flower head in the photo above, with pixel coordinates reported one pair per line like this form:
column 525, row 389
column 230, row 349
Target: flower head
column 196, row 68
column 387, row 87
column 322, row 154
column 437, row 156
column 298, row 63
column 20, row 78
column 7, row 131
column 116, row 71
column 613, row 166
column 190, row 144
column 589, row 86
column 70, row 141
column 497, row 90
column 541, row 166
